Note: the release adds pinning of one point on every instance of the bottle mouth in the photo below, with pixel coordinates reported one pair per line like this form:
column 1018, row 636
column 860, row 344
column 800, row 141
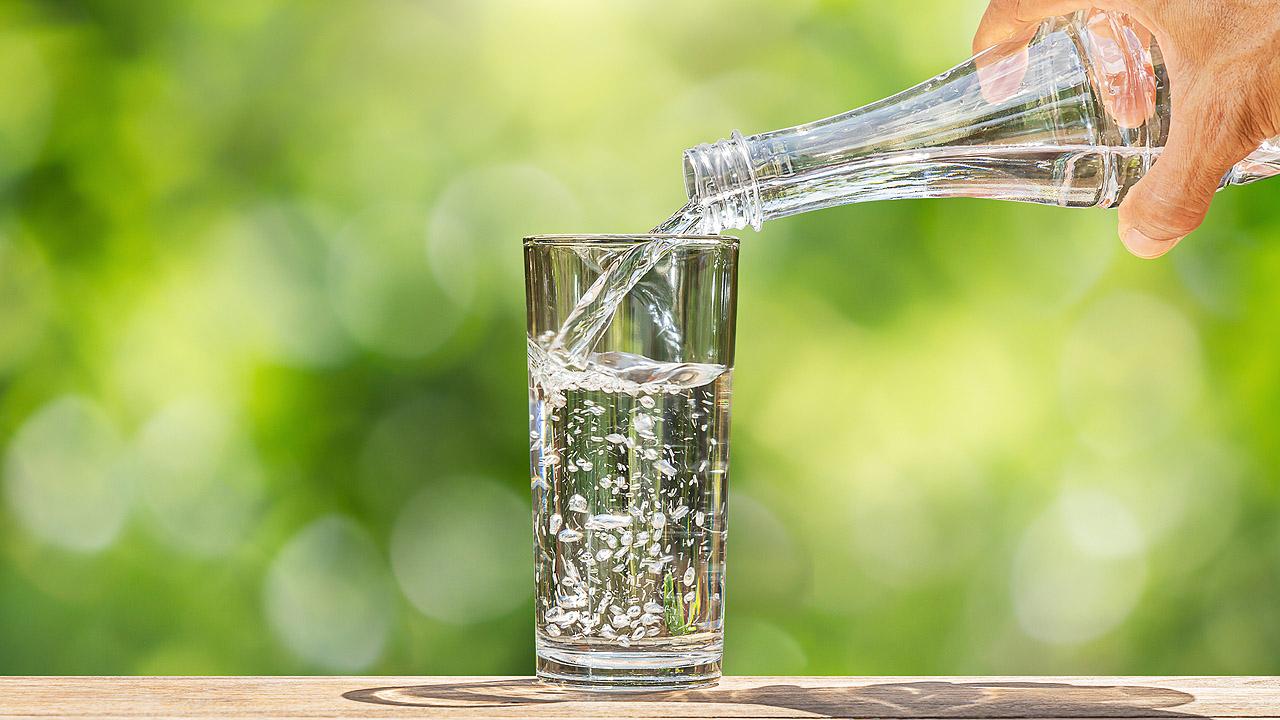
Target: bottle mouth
column 720, row 177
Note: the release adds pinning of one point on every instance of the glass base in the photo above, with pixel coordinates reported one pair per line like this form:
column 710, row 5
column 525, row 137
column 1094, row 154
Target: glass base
column 627, row 671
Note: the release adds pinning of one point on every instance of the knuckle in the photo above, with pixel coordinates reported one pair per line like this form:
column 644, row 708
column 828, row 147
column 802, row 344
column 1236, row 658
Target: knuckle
column 1026, row 12
column 1263, row 119
column 1013, row 11
column 1228, row 123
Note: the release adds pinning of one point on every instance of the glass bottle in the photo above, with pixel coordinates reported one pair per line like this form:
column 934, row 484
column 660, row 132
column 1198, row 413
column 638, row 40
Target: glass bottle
column 1074, row 119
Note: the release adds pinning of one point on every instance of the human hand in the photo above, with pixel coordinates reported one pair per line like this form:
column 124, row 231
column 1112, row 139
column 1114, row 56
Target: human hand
column 1223, row 62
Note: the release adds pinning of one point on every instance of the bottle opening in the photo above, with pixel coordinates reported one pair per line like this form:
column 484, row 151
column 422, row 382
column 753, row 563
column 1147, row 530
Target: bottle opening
column 720, row 178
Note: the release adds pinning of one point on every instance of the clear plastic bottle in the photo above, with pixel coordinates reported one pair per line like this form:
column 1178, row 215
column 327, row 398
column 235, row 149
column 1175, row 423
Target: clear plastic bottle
column 1074, row 119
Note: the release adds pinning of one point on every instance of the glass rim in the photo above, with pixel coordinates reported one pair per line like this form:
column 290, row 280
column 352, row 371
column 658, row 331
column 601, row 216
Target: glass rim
column 568, row 239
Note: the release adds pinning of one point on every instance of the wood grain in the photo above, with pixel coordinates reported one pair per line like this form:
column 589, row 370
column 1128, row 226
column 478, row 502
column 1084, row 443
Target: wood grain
column 1038, row 698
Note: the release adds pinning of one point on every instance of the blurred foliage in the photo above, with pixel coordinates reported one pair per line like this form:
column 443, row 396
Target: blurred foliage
column 262, row 366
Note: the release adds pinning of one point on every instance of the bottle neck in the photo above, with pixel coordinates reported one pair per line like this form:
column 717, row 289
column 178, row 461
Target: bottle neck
column 721, row 179
column 1046, row 138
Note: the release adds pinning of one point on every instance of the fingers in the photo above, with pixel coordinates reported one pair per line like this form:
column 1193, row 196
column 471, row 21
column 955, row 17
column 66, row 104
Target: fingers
column 1007, row 19
column 1001, row 70
column 1173, row 197
column 1001, row 42
column 1121, row 53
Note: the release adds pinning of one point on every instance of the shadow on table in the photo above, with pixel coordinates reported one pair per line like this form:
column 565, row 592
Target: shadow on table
column 922, row 699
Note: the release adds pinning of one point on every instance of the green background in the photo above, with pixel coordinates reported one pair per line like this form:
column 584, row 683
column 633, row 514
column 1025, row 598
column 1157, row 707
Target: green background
column 262, row 392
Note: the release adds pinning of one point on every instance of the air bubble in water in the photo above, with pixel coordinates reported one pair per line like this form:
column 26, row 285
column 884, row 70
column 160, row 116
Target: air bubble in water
column 607, row 522
column 637, row 420
column 644, row 425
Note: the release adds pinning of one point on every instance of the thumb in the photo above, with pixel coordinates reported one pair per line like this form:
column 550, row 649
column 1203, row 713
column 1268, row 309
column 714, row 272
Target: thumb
column 1173, row 197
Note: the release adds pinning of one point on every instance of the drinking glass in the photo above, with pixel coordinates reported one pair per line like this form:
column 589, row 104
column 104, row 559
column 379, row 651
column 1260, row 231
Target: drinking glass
column 629, row 450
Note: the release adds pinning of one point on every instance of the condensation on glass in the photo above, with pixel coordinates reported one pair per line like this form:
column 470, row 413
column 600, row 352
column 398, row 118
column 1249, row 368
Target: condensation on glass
column 629, row 450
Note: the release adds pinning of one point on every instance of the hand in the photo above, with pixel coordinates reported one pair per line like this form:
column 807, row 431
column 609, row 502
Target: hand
column 1223, row 61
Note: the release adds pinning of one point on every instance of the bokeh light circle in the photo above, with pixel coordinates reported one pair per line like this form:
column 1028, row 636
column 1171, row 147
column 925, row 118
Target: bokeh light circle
column 1099, row 524
column 474, row 229
column 199, row 477
column 63, row 478
column 272, row 266
column 1070, row 587
column 328, row 597
column 460, row 550
column 382, row 289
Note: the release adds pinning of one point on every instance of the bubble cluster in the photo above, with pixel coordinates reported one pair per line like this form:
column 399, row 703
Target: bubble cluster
column 629, row 499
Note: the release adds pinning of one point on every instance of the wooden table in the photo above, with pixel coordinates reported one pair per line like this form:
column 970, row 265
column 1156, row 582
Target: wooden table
column 735, row 697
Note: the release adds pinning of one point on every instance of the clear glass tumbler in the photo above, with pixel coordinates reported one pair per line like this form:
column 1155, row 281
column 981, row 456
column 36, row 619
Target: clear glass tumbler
column 629, row 449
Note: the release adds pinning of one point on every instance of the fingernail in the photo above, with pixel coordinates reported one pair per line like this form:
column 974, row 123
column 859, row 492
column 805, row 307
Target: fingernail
column 1146, row 247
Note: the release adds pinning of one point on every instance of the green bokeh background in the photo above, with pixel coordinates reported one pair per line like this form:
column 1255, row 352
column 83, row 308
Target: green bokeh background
column 262, row 359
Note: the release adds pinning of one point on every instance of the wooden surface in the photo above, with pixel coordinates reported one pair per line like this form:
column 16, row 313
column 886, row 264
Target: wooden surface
column 736, row 697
